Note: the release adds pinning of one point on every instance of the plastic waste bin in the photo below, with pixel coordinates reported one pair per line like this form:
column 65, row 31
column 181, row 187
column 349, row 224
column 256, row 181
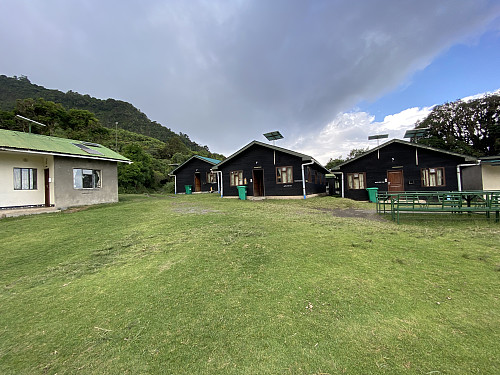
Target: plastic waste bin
column 188, row 188
column 372, row 194
column 242, row 192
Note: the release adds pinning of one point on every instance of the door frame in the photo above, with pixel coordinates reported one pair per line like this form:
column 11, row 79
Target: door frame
column 46, row 182
column 197, row 182
column 258, row 192
column 395, row 171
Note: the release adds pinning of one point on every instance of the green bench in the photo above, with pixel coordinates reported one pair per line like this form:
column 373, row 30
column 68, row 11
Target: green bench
column 451, row 201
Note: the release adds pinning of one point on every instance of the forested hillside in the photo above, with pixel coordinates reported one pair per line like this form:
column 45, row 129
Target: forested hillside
column 153, row 158
column 107, row 111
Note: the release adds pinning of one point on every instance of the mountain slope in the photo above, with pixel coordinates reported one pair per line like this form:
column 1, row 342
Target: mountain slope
column 107, row 111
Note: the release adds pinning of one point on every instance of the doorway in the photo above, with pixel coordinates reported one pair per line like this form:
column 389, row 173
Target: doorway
column 47, row 187
column 258, row 182
column 197, row 182
column 395, row 180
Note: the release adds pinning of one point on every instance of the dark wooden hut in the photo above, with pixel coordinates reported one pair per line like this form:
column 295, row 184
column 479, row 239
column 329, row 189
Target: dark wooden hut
column 196, row 173
column 398, row 166
column 271, row 171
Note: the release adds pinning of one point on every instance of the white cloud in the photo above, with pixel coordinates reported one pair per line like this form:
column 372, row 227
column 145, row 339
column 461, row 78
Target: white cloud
column 226, row 72
column 351, row 130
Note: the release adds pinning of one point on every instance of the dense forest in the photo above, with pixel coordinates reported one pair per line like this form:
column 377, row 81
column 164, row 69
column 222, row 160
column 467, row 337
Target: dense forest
column 155, row 150
column 470, row 127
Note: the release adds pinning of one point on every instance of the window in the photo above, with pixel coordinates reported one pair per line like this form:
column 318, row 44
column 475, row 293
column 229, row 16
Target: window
column 86, row 179
column 433, row 177
column 309, row 175
column 25, row 179
column 236, row 178
column 356, row 180
column 211, row 178
column 284, row 175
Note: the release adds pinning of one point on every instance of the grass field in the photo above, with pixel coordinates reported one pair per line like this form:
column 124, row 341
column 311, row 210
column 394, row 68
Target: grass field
column 203, row 285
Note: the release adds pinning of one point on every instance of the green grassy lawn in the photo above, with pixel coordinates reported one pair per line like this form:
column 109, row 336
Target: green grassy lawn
column 202, row 285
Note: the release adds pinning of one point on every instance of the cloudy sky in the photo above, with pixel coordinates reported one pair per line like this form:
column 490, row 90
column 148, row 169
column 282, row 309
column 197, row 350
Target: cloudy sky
column 325, row 73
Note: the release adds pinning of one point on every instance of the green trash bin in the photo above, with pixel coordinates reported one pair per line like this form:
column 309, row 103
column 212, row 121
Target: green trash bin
column 188, row 188
column 372, row 194
column 242, row 192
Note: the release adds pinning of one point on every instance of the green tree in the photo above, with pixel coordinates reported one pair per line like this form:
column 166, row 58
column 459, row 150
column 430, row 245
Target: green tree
column 334, row 162
column 466, row 127
column 138, row 176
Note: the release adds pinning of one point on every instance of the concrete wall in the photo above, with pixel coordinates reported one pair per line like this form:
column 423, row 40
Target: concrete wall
column 65, row 193
column 13, row 198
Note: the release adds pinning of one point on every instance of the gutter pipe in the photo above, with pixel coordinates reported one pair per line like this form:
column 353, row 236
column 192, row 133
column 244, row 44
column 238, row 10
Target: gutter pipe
column 175, row 182
column 304, row 178
column 220, row 184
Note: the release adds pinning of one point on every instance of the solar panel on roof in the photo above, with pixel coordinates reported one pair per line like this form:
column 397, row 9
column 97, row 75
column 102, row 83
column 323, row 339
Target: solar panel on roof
column 91, row 144
column 273, row 136
column 87, row 149
column 378, row 136
column 416, row 133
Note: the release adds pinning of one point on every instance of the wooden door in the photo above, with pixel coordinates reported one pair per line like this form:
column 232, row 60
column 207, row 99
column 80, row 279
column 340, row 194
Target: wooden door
column 258, row 183
column 197, row 181
column 47, row 187
column 395, row 181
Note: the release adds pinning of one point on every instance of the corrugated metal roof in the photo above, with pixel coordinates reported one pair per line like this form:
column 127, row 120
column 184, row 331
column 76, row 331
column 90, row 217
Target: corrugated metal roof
column 19, row 141
column 210, row 160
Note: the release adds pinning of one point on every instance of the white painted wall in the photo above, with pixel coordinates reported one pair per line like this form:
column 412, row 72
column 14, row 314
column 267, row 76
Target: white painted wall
column 491, row 177
column 10, row 160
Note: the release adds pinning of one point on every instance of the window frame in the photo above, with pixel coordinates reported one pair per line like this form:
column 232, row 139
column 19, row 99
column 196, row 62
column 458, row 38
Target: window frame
column 239, row 175
column 94, row 184
column 288, row 173
column 351, row 177
column 26, row 180
column 211, row 178
column 426, row 180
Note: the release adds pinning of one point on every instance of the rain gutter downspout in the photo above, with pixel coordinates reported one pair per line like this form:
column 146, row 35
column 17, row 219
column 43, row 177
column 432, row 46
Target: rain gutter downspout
column 175, row 182
column 304, row 178
column 459, row 173
column 221, row 186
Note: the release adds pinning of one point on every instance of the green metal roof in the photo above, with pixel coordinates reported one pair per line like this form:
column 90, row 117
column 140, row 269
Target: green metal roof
column 43, row 144
column 210, row 160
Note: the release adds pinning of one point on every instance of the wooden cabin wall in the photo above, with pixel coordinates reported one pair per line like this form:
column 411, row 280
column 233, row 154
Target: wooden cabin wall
column 262, row 158
column 185, row 175
column 398, row 156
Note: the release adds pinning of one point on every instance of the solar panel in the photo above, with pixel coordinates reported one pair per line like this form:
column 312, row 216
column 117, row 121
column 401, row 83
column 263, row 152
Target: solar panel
column 273, row 136
column 378, row 136
column 414, row 133
column 91, row 144
column 87, row 149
